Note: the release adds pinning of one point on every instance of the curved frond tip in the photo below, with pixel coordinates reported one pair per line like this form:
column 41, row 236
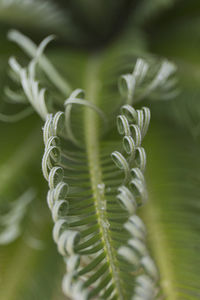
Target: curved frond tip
column 141, row 83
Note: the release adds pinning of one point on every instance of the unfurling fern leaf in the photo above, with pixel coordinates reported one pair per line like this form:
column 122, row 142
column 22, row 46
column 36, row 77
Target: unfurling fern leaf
column 96, row 185
column 93, row 218
column 96, row 214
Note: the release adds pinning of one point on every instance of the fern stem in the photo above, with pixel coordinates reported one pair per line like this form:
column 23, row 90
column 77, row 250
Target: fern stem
column 153, row 218
column 159, row 247
column 92, row 146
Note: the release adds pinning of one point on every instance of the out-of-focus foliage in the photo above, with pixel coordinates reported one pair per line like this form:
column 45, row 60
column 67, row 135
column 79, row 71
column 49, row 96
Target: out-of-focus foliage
column 120, row 32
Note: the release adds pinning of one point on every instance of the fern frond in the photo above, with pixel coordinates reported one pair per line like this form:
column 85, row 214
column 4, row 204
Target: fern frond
column 89, row 217
column 93, row 204
column 76, row 98
column 37, row 54
column 140, row 84
column 30, row 87
column 160, row 85
column 136, row 252
column 26, row 77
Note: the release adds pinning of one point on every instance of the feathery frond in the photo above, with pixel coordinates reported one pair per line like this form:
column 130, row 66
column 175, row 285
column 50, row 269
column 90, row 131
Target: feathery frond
column 89, row 216
column 37, row 54
column 93, row 204
column 95, row 169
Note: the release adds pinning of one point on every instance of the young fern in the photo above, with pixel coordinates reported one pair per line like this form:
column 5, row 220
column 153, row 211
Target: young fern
column 94, row 201
column 81, row 229
column 76, row 232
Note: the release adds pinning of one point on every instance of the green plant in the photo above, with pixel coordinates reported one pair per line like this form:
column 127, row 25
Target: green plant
column 94, row 159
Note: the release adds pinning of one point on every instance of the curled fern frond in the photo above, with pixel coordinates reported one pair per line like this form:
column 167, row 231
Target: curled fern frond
column 37, row 52
column 133, row 125
column 65, row 237
column 34, row 94
column 140, row 84
column 93, row 203
column 92, row 219
column 26, row 77
column 132, row 195
column 77, row 98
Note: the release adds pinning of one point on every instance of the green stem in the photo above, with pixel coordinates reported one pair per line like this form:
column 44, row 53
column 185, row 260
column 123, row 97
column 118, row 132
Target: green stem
column 92, row 146
column 152, row 215
column 160, row 248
